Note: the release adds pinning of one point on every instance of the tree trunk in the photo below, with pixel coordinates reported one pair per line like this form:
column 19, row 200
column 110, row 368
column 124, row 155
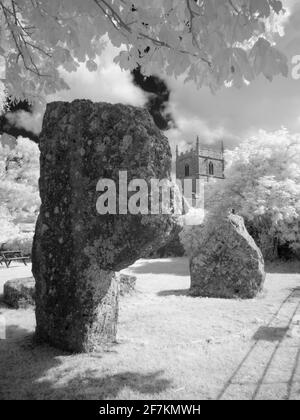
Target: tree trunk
column 268, row 246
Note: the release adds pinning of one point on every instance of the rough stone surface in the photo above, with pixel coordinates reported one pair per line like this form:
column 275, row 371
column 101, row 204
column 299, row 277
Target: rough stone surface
column 76, row 251
column 19, row 293
column 228, row 263
column 127, row 284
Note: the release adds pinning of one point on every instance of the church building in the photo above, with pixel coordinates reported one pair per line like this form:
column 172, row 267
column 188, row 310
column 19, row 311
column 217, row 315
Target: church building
column 202, row 162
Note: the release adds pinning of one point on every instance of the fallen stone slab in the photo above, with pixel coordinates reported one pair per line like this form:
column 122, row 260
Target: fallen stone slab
column 228, row 263
column 19, row 293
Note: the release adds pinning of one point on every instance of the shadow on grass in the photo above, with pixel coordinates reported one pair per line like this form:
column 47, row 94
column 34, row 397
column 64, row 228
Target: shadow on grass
column 92, row 386
column 31, row 372
column 296, row 292
column 181, row 292
column 175, row 267
column 14, row 332
column 270, row 334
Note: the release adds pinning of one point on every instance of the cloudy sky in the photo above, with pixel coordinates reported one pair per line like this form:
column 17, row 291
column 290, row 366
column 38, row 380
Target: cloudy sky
column 232, row 114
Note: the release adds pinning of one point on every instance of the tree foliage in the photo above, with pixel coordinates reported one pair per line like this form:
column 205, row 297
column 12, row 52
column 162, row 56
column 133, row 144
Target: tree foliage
column 211, row 42
column 13, row 119
column 19, row 173
column 8, row 228
column 263, row 185
column 158, row 96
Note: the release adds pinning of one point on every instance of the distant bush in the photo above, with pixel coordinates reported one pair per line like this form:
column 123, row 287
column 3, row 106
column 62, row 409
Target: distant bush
column 21, row 242
column 172, row 249
column 262, row 184
column 7, row 228
column 19, row 194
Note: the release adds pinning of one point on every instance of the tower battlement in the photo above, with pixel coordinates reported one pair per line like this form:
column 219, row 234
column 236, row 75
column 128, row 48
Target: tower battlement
column 187, row 153
column 200, row 162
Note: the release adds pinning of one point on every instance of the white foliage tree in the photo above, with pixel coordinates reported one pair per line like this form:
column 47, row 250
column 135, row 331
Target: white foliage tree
column 8, row 228
column 19, row 173
column 263, row 185
column 212, row 42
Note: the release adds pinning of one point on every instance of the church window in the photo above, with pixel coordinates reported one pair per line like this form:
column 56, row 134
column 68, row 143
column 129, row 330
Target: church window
column 211, row 169
column 187, row 170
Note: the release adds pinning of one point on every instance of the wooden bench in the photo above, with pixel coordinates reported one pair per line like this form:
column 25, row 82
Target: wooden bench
column 7, row 257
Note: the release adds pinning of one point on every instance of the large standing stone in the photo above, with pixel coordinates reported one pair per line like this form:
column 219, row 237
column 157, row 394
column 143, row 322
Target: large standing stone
column 76, row 251
column 228, row 263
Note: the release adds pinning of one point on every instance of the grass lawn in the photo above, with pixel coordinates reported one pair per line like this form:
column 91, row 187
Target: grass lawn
column 170, row 345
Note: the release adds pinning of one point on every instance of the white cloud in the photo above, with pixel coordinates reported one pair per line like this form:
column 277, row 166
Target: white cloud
column 22, row 119
column 188, row 128
column 290, row 4
column 230, row 115
column 108, row 84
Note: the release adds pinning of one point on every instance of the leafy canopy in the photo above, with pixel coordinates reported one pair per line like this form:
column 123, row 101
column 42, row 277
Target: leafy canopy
column 211, row 42
column 263, row 185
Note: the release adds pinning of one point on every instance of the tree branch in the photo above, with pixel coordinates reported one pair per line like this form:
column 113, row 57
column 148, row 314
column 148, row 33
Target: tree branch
column 20, row 39
column 119, row 24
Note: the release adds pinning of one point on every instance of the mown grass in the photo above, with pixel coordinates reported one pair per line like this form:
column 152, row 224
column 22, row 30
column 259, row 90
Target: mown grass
column 170, row 346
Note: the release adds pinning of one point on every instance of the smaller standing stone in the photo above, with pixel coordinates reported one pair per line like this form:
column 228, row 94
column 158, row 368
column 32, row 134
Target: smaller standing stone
column 228, row 263
column 19, row 293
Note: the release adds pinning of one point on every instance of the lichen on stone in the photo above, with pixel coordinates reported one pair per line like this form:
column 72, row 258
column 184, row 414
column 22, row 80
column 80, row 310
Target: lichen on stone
column 226, row 262
column 74, row 260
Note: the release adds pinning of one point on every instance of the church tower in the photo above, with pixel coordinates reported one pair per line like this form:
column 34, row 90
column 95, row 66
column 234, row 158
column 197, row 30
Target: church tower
column 201, row 162
column 211, row 162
